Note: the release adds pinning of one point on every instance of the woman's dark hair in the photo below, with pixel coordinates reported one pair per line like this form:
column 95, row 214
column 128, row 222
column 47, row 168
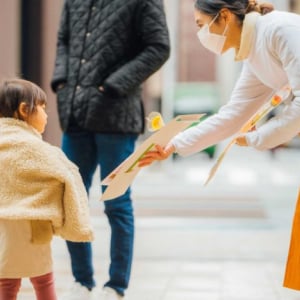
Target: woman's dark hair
column 238, row 7
column 15, row 91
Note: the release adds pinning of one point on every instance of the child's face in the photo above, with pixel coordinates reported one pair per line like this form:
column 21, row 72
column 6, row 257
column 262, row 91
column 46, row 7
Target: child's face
column 38, row 119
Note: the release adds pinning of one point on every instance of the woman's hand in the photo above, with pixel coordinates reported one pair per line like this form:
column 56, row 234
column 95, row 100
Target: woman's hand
column 159, row 154
column 241, row 141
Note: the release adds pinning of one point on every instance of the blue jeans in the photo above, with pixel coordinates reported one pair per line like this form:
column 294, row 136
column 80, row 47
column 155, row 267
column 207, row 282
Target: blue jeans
column 88, row 150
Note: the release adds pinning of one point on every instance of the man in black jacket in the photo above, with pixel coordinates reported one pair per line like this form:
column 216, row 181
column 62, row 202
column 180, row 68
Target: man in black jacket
column 106, row 49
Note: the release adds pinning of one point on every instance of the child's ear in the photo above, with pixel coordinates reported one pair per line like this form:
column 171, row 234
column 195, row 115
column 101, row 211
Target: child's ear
column 23, row 110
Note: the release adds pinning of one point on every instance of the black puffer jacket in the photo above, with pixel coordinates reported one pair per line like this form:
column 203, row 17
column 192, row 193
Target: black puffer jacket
column 116, row 44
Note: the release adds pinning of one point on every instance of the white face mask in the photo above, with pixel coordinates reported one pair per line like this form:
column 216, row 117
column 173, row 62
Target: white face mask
column 212, row 41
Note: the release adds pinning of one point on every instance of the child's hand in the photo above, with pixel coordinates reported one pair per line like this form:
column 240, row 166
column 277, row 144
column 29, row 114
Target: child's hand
column 158, row 154
column 241, row 141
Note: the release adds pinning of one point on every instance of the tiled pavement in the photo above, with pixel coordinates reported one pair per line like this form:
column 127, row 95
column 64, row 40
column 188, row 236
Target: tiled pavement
column 227, row 241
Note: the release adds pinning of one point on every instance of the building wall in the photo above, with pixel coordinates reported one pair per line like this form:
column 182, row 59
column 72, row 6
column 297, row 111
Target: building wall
column 51, row 10
column 9, row 37
column 195, row 63
column 11, row 47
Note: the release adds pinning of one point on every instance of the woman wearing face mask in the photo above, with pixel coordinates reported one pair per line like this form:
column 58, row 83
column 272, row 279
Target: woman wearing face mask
column 267, row 42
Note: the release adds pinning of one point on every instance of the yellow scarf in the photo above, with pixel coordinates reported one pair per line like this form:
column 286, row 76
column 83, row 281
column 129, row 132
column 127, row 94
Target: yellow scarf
column 247, row 36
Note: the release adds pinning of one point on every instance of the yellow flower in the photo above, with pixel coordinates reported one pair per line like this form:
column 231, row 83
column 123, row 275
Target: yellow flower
column 154, row 121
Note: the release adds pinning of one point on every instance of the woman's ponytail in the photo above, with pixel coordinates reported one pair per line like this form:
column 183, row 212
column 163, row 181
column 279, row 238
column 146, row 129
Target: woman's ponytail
column 262, row 8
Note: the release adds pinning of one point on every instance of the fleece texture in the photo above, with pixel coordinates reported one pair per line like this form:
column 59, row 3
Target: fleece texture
column 38, row 182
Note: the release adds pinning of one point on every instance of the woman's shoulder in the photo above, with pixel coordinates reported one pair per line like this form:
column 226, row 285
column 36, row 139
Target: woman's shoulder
column 277, row 25
column 277, row 19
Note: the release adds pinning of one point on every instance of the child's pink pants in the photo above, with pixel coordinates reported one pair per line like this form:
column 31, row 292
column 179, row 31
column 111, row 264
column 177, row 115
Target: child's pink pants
column 43, row 286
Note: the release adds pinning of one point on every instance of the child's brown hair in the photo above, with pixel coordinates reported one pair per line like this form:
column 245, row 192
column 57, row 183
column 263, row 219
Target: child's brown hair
column 15, row 91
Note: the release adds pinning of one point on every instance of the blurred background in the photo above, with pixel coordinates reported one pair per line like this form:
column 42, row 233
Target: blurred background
column 227, row 241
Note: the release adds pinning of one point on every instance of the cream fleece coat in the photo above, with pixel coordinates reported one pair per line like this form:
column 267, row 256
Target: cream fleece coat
column 38, row 182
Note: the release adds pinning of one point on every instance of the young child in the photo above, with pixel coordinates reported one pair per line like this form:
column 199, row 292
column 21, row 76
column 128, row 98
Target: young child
column 41, row 193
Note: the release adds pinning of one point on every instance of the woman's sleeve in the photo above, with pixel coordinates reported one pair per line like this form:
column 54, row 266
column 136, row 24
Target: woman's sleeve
column 247, row 97
column 286, row 124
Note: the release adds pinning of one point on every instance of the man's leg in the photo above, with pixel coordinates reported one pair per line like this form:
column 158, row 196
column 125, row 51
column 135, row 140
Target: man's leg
column 79, row 147
column 112, row 150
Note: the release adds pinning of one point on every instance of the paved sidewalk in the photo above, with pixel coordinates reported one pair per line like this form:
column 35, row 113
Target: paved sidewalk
column 227, row 241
